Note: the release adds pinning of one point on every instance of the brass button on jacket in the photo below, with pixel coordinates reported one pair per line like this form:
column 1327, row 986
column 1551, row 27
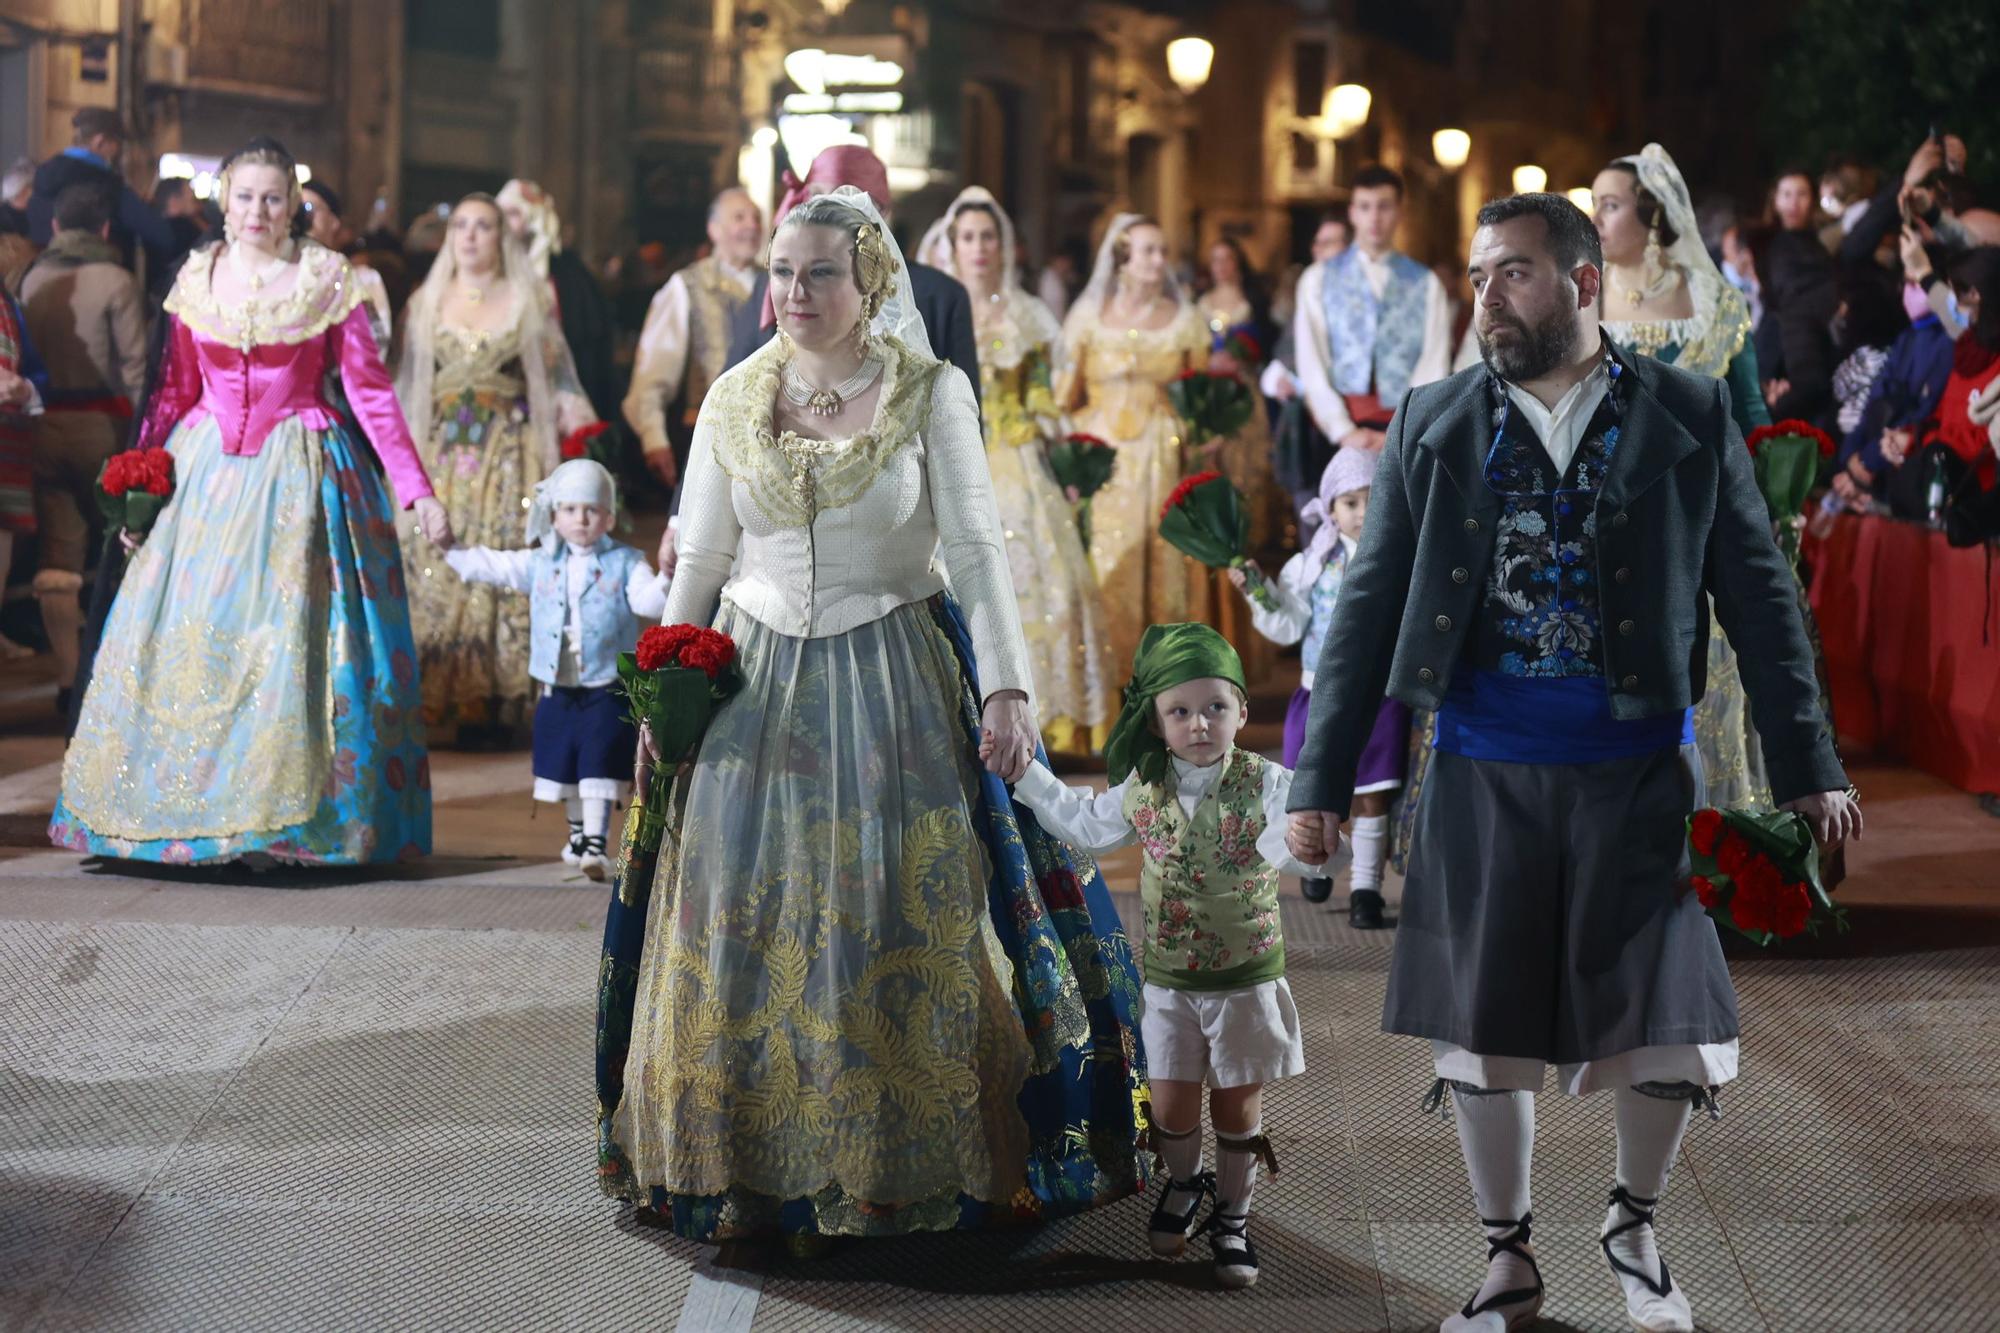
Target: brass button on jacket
column 1443, row 622
column 1472, row 525
column 1626, row 627
column 1426, row 675
column 1460, row 575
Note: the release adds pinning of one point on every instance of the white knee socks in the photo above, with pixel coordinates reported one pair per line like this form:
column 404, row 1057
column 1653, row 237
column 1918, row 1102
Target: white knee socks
column 1236, row 1171
column 573, row 809
column 1496, row 1132
column 1649, row 1135
column 1371, row 853
column 596, row 822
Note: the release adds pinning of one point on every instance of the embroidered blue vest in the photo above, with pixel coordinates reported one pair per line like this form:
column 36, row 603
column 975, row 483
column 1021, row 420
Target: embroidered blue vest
column 1532, row 687
column 1374, row 345
column 1325, row 592
column 609, row 627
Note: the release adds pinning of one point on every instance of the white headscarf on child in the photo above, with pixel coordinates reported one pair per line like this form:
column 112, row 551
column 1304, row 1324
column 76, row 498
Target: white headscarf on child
column 1350, row 470
column 579, row 481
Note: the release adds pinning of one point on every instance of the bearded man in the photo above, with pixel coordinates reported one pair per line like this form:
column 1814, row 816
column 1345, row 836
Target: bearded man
column 1544, row 532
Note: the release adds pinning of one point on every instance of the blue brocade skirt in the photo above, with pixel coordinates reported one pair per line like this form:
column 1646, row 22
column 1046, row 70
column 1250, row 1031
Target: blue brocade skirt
column 256, row 685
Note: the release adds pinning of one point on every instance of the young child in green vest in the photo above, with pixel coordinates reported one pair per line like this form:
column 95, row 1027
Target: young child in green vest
column 1210, row 819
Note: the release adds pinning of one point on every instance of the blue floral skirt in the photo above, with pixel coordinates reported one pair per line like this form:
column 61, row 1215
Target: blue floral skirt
column 256, row 689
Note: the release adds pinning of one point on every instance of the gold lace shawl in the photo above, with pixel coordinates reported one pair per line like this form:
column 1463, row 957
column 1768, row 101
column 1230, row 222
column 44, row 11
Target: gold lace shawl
column 1012, row 328
column 793, row 479
column 322, row 295
column 1709, row 339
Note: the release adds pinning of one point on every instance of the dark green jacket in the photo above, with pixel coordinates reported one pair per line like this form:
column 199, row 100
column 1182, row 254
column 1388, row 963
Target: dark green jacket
column 1679, row 515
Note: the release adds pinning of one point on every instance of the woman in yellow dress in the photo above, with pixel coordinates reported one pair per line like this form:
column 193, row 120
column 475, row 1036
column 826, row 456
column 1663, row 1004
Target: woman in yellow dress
column 1060, row 616
column 1128, row 336
column 1239, row 323
column 489, row 390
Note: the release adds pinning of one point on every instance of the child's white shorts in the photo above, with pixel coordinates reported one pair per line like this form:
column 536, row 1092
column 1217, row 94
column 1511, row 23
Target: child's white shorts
column 1226, row 1038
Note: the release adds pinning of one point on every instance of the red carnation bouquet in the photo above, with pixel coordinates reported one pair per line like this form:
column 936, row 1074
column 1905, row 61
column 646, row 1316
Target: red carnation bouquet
column 1211, row 407
column 1205, row 518
column 1244, row 349
column 133, row 487
column 594, row 442
column 1788, row 456
column 1082, row 464
column 1757, row 873
column 674, row 681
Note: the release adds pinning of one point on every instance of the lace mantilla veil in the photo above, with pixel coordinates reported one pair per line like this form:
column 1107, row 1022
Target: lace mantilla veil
column 899, row 317
column 1662, row 179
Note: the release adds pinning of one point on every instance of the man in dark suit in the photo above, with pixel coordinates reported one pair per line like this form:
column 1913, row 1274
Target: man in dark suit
column 1544, row 533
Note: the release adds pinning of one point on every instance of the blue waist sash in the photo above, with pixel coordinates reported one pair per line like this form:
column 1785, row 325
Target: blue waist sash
column 1553, row 720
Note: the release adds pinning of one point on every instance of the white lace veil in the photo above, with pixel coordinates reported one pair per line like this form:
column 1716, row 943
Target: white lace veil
column 1104, row 275
column 937, row 248
column 1662, row 179
column 899, row 317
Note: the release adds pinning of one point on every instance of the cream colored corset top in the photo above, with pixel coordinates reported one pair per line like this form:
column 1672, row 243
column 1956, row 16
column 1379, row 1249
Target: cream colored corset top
column 815, row 538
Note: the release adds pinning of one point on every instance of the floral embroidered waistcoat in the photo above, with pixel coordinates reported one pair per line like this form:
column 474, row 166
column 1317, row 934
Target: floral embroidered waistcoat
column 609, row 626
column 713, row 300
column 1540, row 617
column 1210, row 899
column 1325, row 592
column 1374, row 344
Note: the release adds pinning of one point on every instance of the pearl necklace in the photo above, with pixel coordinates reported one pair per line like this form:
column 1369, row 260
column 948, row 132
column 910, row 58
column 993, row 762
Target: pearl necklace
column 822, row 402
column 255, row 277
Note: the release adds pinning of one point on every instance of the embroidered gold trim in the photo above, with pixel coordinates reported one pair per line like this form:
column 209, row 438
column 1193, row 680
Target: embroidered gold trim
column 323, row 294
column 792, row 479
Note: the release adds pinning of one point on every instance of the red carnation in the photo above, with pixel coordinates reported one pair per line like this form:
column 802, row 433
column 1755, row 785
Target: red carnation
column 576, row 443
column 1192, row 375
column 1087, row 441
column 1732, row 854
column 1186, row 488
column 1704, row 829
column 1790, row 910
column 1705, row 889
column 1750, row 909
column 658, row 645
column 1789, row 427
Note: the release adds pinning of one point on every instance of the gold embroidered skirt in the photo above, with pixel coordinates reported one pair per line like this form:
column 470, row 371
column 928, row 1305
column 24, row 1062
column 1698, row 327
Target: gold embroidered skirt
column 823, row 1009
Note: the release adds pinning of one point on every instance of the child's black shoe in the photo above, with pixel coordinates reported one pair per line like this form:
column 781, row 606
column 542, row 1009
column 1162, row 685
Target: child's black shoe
column 1173, row 1217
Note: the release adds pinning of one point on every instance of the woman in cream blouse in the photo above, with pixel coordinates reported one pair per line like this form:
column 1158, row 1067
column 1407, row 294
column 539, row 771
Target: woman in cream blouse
column 857, row 1011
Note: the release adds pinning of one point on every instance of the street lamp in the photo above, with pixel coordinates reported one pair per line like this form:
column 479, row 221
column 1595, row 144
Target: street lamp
column 1451, row 148
column 1189, row 60
column 1530, row 179
column 1345, row 108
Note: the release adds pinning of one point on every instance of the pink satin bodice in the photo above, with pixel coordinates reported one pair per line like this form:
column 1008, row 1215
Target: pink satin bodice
column 248, row 393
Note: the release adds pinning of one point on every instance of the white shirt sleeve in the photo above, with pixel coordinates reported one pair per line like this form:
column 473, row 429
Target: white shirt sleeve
column 708, row 534
column 483, row 564
column 1434, row 362
column 1271, row 844
column 1287, row 624
column 1092, row 822
column 646, row 591
column 1314, row 354
column 659, row 365
column 1276, row 381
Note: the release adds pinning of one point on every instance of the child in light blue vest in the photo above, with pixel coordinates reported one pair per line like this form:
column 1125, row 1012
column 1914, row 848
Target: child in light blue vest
column 588, row 596
column 1307, row 589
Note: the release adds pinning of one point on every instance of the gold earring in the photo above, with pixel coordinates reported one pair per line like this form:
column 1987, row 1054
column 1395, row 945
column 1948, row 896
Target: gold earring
column 1653, row 254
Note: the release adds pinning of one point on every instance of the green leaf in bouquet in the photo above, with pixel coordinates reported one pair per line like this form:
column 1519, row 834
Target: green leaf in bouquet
column 1207, row 521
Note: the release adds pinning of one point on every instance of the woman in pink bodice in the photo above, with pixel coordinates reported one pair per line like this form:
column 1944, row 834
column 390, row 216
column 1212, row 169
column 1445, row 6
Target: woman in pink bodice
column 255, row 693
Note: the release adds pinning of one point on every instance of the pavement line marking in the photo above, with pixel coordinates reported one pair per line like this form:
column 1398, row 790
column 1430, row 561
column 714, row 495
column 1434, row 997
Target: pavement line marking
column 720, row 1300
column 31, row 790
